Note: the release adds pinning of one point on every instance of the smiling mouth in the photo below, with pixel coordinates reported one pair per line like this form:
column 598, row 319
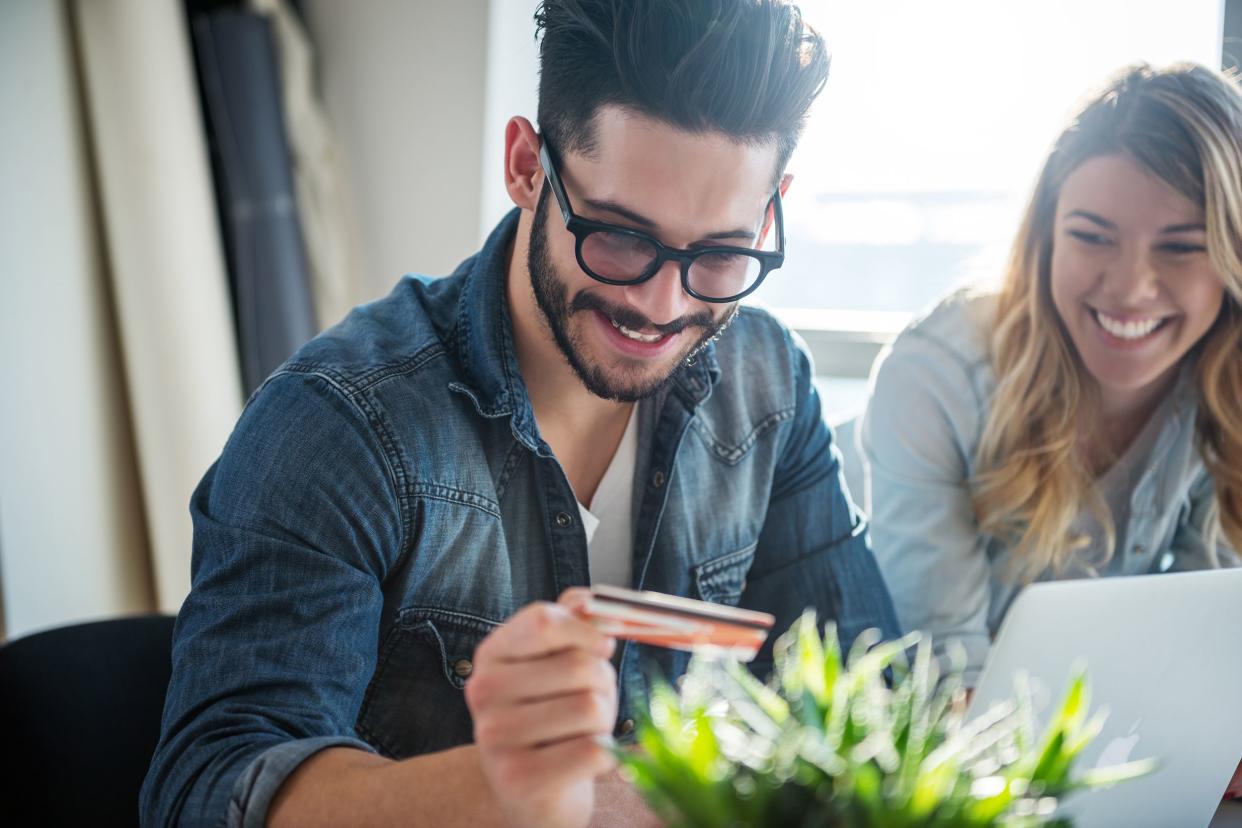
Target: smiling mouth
column 1132, row 329
column 635, row 335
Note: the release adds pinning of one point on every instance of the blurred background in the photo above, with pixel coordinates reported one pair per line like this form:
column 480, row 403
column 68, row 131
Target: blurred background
column 190, row 190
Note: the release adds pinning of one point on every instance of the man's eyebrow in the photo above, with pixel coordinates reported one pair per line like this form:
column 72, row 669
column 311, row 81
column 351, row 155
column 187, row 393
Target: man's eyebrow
column 624, row 212
column 647, row 224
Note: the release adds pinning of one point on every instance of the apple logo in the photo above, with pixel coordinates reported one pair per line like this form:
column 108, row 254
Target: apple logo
column 1117, row 752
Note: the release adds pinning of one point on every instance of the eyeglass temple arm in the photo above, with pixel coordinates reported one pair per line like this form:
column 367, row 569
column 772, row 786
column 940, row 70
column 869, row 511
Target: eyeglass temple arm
column 554, row 181
column 778, row 216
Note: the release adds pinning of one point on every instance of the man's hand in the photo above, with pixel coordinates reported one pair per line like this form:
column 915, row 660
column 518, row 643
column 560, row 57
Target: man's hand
column 543, row 696
column 619, row 805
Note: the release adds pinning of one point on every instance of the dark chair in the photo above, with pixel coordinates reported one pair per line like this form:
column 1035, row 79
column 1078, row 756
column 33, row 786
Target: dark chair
column 80, row 710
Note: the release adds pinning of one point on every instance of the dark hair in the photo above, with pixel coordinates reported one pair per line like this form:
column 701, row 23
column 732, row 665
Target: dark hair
column 746, row 68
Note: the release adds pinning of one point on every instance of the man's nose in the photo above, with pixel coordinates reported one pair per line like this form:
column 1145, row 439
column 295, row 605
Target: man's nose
column 661, row 298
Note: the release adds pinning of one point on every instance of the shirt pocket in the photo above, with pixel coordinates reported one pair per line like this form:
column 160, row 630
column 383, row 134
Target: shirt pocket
column 722, row 580
column 415, row 702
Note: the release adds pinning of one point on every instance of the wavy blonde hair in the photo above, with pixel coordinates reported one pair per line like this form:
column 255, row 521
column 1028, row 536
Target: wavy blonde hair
column 1184, row 124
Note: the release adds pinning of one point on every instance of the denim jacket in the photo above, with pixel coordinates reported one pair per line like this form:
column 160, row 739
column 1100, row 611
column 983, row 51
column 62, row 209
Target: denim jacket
column 931, row 396
column 386, row 501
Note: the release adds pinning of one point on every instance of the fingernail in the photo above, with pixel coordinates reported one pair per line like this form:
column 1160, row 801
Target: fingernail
column 605, row 741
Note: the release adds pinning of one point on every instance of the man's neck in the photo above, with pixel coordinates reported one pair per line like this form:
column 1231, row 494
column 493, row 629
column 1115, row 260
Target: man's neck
column 582, row 429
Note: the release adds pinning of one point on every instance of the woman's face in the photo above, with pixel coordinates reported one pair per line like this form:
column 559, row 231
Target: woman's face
column 1131, row 278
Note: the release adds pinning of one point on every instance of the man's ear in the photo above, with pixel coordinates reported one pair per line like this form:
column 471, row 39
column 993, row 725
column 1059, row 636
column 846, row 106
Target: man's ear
column 523, row 174
column 770, row 216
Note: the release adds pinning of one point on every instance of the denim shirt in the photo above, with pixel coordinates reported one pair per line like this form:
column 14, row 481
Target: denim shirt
column 931, row 397
column 386, row 501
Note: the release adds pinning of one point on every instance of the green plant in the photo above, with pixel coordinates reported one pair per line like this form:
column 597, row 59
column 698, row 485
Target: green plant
column 880, row 742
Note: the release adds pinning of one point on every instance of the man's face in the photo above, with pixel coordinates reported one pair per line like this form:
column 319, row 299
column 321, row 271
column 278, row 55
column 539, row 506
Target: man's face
column 625, row 341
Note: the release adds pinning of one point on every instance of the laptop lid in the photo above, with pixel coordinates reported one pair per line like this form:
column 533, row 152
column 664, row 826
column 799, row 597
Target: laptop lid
column 1162, row 653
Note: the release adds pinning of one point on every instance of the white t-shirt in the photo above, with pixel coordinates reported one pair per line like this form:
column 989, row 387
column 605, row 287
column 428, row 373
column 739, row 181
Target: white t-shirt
column 609, row 532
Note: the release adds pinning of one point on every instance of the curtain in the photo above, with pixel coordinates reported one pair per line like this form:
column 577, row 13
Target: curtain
column 73, row 544
column 167, row 272
column 119, row 366
column 119, row 357
column 268, row 271
column 318, row 170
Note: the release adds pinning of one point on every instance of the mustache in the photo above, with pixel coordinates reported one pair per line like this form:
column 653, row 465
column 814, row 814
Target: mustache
column 634, row 320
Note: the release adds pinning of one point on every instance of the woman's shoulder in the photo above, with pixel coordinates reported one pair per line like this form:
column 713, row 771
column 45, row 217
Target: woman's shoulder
column 934, row 382
column 956, row 327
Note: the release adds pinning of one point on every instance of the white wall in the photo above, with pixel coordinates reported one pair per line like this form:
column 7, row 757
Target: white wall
column 512, row 89
column 403, row 85
column 72, row 541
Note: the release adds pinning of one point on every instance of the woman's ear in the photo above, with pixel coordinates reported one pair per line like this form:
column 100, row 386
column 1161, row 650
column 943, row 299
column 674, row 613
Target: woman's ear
column 523, row 174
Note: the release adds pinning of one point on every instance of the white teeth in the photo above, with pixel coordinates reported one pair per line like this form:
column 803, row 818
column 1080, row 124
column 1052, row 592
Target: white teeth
column 1128, row 329
column 635, row 335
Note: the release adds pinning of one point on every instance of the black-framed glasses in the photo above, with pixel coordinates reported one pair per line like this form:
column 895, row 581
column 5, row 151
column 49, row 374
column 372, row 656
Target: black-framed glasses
column 618, row 255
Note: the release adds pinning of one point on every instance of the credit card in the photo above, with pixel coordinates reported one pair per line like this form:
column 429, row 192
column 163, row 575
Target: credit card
column 677, row 623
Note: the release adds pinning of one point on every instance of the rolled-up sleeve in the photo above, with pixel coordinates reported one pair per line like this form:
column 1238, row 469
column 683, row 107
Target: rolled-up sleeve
column 917, row 438
column 294, row 529
column 256, row 787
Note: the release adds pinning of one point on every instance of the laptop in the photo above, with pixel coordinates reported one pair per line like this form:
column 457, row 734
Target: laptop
column 1164, row 653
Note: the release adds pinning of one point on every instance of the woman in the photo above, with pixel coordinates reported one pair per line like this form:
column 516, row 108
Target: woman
column 1087, row 418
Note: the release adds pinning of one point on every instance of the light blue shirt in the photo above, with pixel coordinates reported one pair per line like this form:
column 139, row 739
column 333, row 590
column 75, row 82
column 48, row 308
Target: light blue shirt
column 931, row 396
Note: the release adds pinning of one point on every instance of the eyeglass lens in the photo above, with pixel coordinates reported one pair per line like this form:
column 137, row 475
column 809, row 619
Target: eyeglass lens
column 621, row 257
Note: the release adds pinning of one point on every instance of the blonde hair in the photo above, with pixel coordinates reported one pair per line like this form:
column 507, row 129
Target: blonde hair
column 1184, row 124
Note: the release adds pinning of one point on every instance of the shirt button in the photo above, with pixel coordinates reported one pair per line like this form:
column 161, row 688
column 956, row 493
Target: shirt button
column 563, row 520
column 657, row 479
column 625, row 728
column 463, row 668
column 1139, row 549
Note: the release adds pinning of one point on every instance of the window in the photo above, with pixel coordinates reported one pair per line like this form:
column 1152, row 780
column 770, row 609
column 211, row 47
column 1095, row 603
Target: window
column 920, row 152
column 919, row 155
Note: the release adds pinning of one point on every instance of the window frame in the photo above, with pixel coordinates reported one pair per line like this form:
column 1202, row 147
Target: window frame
column 845, row 344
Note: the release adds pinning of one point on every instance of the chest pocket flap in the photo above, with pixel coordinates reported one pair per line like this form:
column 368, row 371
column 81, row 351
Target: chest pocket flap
column 723, row 579
column 415, row 702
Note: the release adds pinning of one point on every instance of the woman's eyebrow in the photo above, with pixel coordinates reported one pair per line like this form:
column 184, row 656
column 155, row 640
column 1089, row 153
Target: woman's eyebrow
column 1089, row 216
column 1185, row 228
column 1188, row 227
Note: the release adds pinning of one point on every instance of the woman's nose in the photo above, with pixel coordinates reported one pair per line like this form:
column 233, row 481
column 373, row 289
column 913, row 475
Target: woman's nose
column 1132, row 277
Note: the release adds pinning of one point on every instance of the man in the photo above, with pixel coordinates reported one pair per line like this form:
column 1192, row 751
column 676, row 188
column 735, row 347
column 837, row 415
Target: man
column 372, row 634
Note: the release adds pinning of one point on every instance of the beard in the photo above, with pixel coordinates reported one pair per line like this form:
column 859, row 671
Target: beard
column 620, row 383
